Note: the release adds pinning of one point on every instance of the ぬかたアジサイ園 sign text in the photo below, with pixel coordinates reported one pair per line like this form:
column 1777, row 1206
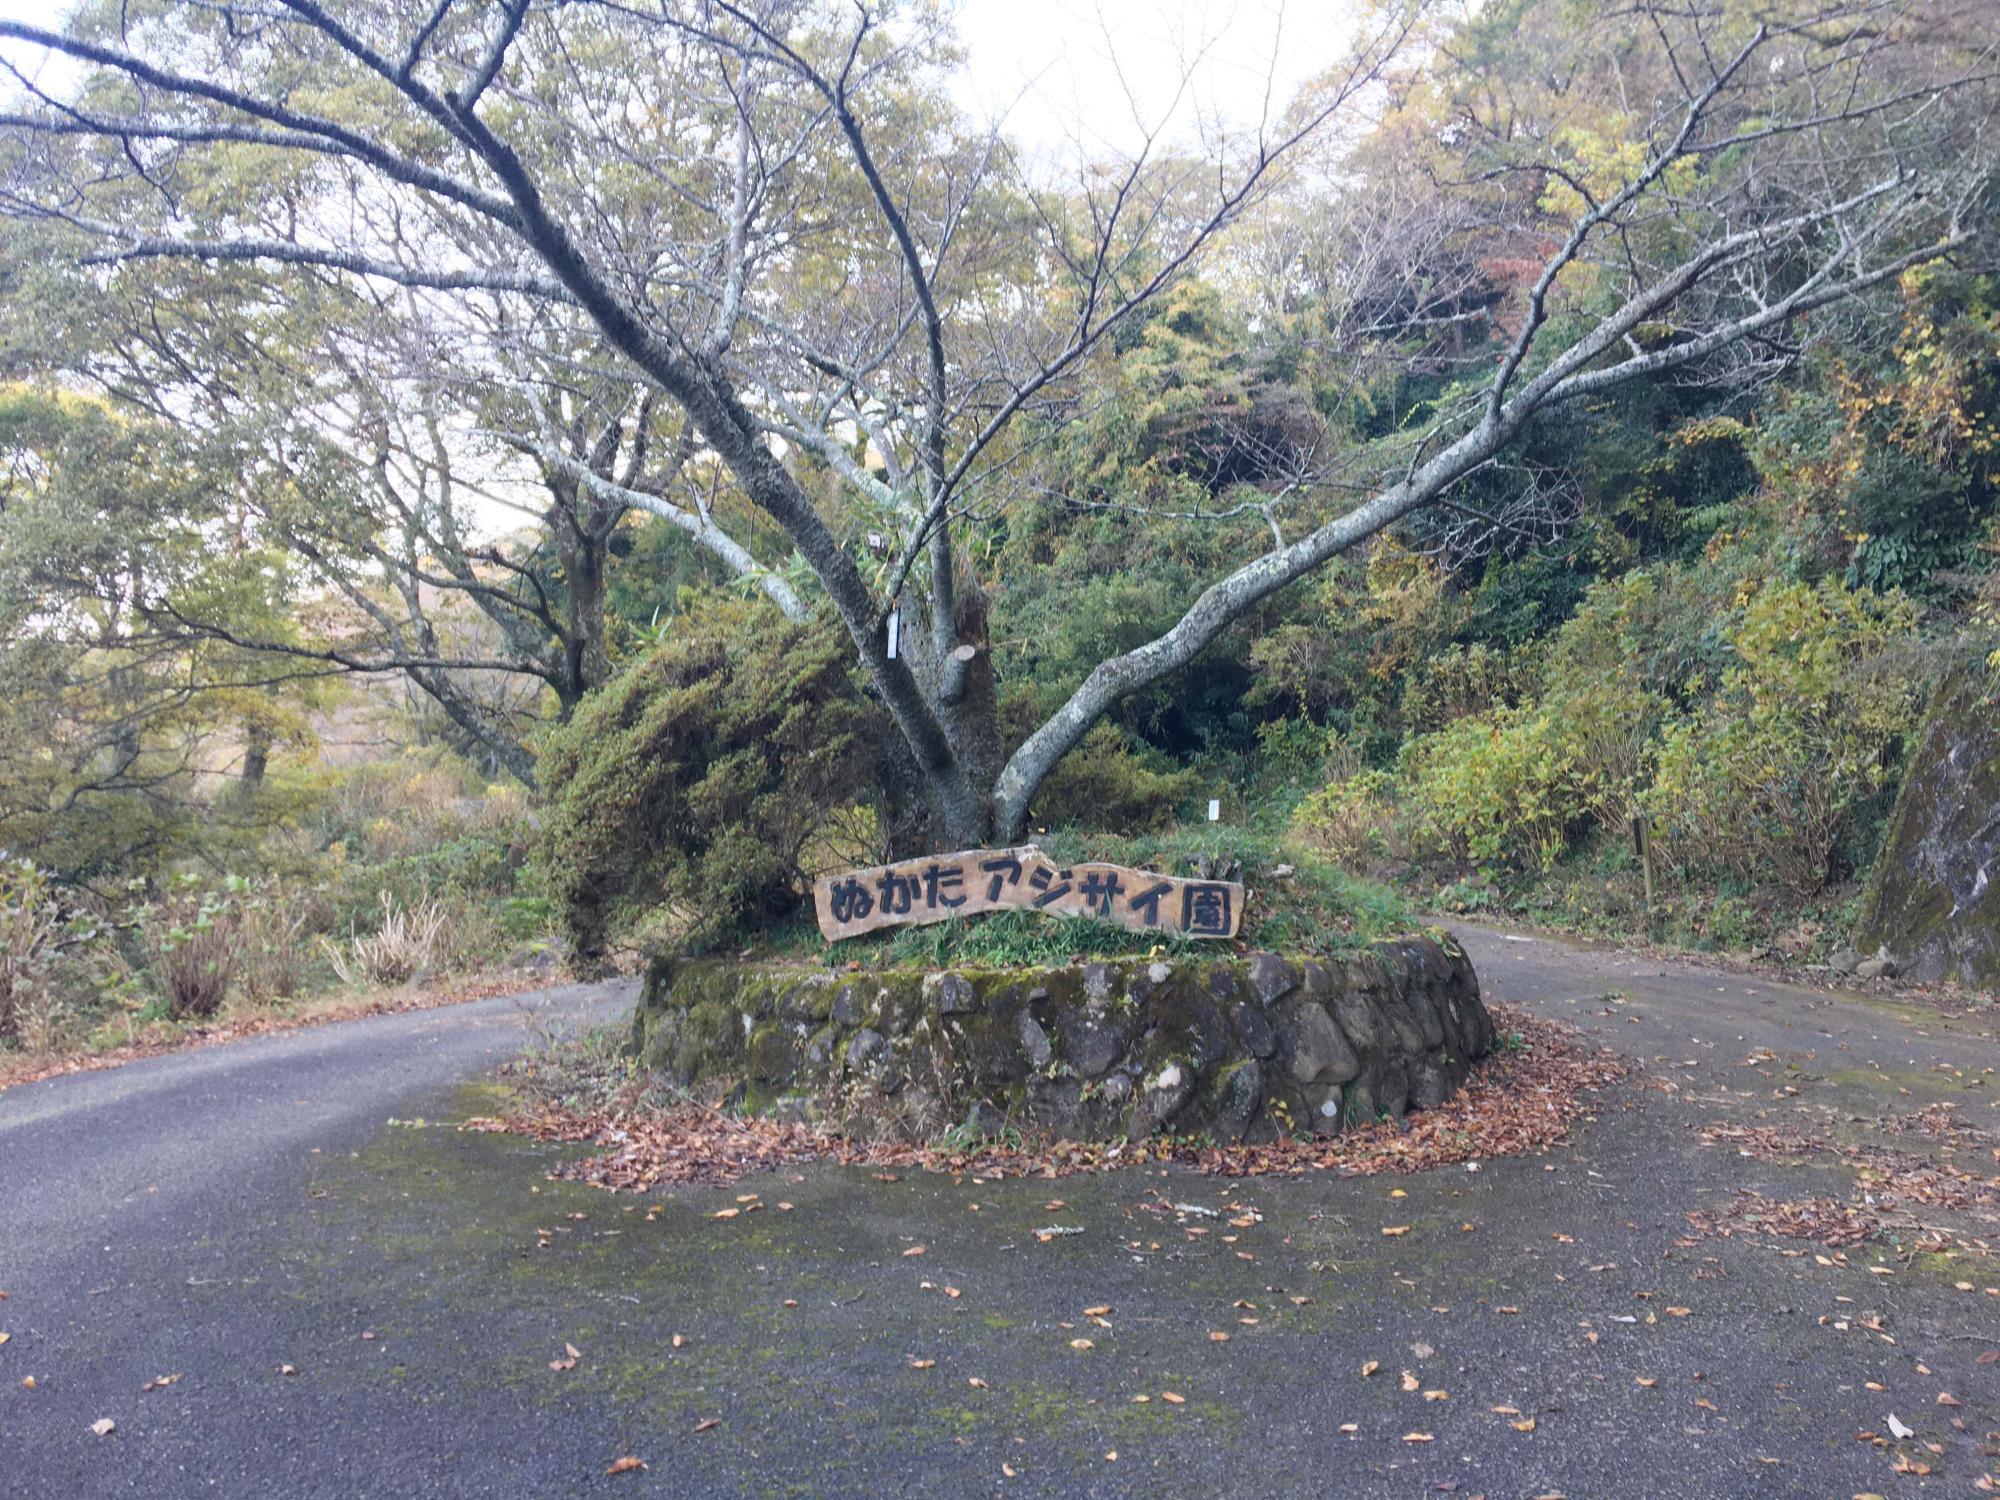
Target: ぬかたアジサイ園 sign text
column 981, row 880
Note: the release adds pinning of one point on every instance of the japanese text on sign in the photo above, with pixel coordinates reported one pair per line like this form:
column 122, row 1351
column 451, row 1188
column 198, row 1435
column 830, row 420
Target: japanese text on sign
column 982, row 880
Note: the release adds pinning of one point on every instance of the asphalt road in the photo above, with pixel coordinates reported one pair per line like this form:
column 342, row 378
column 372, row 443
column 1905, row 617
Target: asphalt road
column 225, row 1215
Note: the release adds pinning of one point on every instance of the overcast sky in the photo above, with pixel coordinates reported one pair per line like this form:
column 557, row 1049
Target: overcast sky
column 1060, row 52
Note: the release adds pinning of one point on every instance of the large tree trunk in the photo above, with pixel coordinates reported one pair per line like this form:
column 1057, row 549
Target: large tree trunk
column 256, row 756
column 968, row 703
column 586, row 660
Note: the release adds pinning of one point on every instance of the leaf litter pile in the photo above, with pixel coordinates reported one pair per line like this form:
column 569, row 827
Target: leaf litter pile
column 1522, row 1099
column 1823, row 1220
column 1891, row 1186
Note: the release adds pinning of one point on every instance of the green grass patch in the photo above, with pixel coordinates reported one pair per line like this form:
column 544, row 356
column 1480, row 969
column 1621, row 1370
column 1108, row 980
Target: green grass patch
column 1298, row 903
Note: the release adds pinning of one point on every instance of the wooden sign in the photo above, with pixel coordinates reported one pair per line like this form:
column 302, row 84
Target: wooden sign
column 981, row 880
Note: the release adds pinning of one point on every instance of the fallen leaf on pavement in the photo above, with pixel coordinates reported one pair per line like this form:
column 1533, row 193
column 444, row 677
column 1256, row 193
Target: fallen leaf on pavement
column 707, row 1422
column 624, row 1465
column 103, row 1426
column 1173, row 1397
column 1418, row 1437
column 1393, row 1230
column 159, row 1382
column 1081, row 1344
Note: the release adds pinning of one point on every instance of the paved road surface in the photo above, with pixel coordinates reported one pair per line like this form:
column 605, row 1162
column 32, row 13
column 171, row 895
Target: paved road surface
column 219, row 1214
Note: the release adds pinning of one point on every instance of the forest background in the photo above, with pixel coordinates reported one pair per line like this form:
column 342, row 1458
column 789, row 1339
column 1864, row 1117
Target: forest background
column 358, row 634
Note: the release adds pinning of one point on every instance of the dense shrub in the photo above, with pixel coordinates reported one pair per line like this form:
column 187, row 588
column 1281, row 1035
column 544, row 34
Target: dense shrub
column 1516, row 785
column 1489, row 788
column 1765, row 781
column 279, row 920
column 194, row 939
column 1463, row 680
column 1106, row 786
column 693, row 789
column 1656, row 630
column 1350, row 821
column 31, row 935
column 405, row 943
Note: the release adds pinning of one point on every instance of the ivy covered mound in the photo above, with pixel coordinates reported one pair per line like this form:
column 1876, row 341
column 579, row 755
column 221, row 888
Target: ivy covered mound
column 1237, row 1048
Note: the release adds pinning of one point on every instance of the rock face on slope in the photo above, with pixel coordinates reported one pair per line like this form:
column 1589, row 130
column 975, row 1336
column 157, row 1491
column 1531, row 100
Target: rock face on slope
column 1933, row 902
column 1232, row 1048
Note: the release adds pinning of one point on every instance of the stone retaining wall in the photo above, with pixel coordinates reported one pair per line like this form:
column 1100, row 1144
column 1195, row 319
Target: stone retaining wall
column 1234, row 1048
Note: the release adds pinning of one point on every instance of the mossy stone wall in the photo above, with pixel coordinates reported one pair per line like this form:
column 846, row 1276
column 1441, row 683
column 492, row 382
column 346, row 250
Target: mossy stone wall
column 1933, row 901
column 1233, row 1048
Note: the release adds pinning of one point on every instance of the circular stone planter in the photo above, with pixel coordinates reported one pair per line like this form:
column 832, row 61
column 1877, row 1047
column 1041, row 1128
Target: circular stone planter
column 1239, row 1049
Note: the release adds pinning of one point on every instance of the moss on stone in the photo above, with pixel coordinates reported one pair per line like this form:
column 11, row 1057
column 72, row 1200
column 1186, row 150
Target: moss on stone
column 1933, row 899
column 1092, row 1050
column 771, row 1055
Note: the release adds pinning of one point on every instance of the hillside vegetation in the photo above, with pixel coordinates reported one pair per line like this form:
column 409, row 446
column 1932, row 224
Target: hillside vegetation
column 1559, row 430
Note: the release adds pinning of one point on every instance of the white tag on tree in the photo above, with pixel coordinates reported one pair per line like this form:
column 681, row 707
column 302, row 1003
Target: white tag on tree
column 1214, row 803
column 895, row 633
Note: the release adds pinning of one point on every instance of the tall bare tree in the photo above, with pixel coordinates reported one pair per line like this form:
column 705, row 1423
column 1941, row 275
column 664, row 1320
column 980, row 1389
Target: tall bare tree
column 771, row 211
column 450, row 477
